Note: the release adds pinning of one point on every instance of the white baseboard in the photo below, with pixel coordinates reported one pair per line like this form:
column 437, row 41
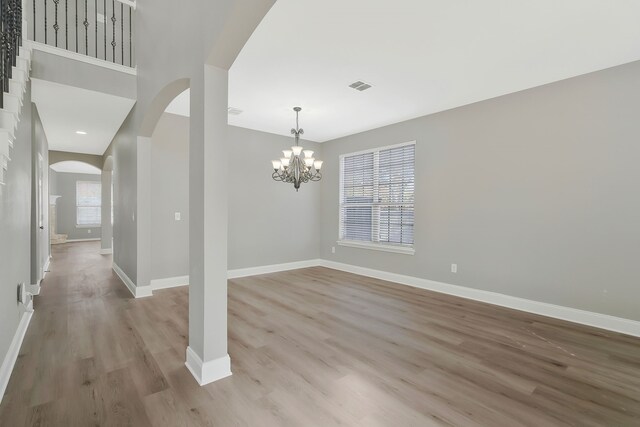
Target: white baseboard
column 106, row 251
column 46, row 268
column 12, row 354
column 602, row 321
column 83, row 240
column 274, row 268
column 210, row 371
column 137, row 292
column 169, row 282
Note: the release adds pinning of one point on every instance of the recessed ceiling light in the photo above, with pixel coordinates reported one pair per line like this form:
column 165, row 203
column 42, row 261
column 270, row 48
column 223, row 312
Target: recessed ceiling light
column 81, row 132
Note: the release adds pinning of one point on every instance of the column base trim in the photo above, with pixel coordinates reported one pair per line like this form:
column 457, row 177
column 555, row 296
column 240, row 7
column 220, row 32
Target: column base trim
column 169, row 282
column 207, row 372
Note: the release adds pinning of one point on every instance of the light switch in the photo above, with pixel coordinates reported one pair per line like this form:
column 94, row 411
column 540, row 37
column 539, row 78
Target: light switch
column 177, row 215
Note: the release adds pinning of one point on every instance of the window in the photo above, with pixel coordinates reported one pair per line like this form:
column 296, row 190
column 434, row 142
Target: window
column 88, row 203
column 377, row 198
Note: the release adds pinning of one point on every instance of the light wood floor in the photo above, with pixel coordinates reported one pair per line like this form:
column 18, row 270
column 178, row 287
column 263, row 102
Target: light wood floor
column 312, row 347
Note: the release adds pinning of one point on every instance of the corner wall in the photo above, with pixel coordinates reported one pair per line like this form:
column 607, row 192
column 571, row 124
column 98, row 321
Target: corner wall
column 532, row 194
column 40, row 247
column 15, row 229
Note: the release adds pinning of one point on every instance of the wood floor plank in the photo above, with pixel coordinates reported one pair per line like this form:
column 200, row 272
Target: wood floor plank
column 310, row 347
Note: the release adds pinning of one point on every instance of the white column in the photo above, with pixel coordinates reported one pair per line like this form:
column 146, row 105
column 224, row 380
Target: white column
column 143, row 221
column 207, row 357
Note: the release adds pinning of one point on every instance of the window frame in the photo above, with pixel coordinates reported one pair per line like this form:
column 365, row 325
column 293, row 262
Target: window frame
column 99, row 225
column 362, row 244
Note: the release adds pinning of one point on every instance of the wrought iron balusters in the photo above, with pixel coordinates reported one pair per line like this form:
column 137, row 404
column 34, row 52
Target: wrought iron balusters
column 113, row 24
column 45, row 21
column 104, row 12
column 48, row 17
column 56, row 27
column 96, row 26
column 86, row 30
column 10, row 41
column 130, row 40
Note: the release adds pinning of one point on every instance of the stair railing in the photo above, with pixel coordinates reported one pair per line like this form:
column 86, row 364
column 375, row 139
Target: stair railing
column 10, row 41
column 101, row 29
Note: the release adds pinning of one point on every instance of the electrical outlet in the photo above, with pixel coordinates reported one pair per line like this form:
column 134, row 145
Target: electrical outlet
column 89, row 231
column 454, row 268
column 177, row 216
column 333, row 249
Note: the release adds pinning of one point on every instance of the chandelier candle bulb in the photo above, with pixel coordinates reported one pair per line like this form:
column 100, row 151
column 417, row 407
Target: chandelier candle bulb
column 292, row 168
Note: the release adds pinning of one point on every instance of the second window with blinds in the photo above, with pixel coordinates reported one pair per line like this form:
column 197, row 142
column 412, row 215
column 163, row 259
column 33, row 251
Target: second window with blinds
column 88, row 204
column 377, row 198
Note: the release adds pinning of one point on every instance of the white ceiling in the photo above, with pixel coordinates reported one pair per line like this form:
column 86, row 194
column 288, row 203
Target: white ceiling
column 71, row 166
column 421, row 56
column 180, row 104
column 67, row 109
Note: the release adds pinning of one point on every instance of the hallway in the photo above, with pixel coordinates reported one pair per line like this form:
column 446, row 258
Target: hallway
column 311, row 347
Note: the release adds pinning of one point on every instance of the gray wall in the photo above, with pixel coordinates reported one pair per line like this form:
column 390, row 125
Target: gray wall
column 65, row 71
column 269, row 222
column 63, row 156
column 123, row 148
column 40, row 247
column 66, row 205
column 170, row 181
column 15, row 228
column 533, row 194
column 261, row 211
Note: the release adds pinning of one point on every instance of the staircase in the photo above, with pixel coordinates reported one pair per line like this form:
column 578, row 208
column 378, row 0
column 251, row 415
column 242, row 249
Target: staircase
column 15, row 64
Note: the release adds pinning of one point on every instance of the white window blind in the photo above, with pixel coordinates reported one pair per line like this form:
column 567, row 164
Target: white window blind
column 88, row 203
column 377, row 196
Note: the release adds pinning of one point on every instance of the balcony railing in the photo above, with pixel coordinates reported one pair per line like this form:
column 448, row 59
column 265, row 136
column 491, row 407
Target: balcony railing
column 101, row 29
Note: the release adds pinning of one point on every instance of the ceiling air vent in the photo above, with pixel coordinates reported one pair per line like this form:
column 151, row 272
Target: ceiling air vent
column 359, row 85
column 234, row 111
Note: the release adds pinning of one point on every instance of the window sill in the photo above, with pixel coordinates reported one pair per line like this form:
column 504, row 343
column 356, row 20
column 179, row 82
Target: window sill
column 377, row 247
column 89, row 226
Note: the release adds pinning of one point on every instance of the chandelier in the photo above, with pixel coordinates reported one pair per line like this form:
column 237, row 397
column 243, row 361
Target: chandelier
column 293, row 168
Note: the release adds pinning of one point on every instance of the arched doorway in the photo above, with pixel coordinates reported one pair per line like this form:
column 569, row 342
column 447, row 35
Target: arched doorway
column 75, row 200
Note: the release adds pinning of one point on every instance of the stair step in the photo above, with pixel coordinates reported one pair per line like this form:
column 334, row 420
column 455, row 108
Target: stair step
column 23, row 63
column 8, row 121
column 6, row 142
column 12, row 103
column 19, row 75
column 17, row 88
